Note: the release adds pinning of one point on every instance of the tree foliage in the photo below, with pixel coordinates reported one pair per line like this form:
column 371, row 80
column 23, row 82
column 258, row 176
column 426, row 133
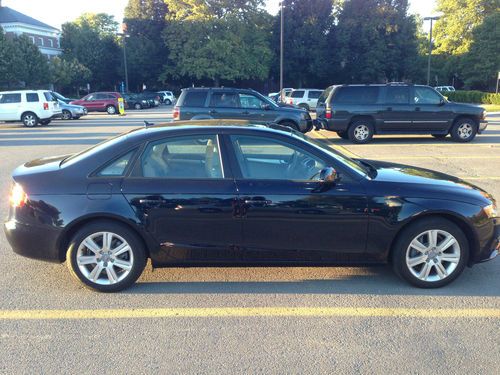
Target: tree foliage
column 69, row 74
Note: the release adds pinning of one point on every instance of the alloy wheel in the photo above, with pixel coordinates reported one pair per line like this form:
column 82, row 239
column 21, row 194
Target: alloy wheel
column 361, row 132
column 66, row 115
column 104, row 258
column 433, row 255
column 465, row 130
column 30, row 120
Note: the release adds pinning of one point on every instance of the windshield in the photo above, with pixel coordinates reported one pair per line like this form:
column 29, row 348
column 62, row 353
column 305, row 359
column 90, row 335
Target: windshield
column 350, row 163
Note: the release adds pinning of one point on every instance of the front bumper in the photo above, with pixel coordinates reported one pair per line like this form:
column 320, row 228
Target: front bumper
column 78, row 112
column 492, row 249
column 482, row 126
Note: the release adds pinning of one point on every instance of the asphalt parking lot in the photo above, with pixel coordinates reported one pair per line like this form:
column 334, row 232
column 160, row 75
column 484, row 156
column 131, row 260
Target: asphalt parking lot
column 249, row 320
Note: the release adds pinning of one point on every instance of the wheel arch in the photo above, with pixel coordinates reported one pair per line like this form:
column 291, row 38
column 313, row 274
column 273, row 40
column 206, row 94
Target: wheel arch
column 462, row 116
column 459, row 221
column 288, row 120
column 26, row 112
column 76, row 225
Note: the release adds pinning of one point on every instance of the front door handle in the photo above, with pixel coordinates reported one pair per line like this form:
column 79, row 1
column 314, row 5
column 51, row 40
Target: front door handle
column 257, row 202
column 212, row 112
column 151, row 201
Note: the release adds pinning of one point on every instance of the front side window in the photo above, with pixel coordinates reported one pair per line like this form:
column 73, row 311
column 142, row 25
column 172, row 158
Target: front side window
column 268, row 159
column 90, row 97
column 225, row 100
column 251, row 101
column 32, row 97
column 10, row 98
column 397, row 95
column 189, row 157
column 117, row 167
column 425, row 95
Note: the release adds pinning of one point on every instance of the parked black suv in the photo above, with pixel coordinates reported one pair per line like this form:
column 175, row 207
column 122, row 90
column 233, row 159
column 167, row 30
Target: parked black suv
column 241, row 104
column 357, row 112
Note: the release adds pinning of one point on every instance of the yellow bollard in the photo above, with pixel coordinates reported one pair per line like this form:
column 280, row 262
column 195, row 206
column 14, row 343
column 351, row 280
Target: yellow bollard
column 121, row 107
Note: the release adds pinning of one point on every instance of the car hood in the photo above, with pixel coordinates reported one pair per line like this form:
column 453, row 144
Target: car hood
column 429, row 182
column 289, row 108
column 468, row 107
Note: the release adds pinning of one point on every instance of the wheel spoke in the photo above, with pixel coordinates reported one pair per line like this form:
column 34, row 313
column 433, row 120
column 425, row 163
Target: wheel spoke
column 447, row 242
column 112, row 276
column 432, row 238
column 123, row 264
column 452, row 258
column 94, row 275
column 441, row 271
column 106, row 241
column 412, row 262
column 424, row 273
column 124, row 247
column 417, row 245
column 91, row 245
column 87, row 259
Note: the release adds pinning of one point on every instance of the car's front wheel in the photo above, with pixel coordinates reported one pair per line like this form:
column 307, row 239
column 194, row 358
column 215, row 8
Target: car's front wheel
column 430, row 253
column 66, row 115
column 106, row 256
column 464, row 130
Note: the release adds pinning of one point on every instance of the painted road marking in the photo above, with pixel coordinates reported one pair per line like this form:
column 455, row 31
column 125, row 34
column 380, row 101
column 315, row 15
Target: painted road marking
column 224, row 312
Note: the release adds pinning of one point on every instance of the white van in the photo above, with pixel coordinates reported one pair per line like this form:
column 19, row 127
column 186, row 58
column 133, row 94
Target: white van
column 304, row 98
column 32, row 107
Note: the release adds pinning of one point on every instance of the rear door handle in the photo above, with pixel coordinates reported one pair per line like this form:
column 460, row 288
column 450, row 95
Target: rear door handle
column 151, row 201
column 257, row 202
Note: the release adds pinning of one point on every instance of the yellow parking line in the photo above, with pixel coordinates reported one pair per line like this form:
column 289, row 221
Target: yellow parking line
column 223, row 312
column 445, row 157
column 480, row 178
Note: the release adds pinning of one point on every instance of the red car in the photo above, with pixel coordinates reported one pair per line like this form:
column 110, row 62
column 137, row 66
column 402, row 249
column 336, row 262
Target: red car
column 100, row 102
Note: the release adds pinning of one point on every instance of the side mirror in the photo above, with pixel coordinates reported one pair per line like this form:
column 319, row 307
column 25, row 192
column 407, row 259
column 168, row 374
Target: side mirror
column 442, row 101
column 266, row 107
column 328, row 176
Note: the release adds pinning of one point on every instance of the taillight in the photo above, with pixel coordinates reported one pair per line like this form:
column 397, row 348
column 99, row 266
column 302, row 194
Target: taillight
column 177, row 113
column 290, row 101
column 46, row 106
column 328, row 113
column 18, row 197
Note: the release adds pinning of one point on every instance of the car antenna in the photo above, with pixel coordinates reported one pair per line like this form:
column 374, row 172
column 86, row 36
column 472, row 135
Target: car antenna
column 146, row 123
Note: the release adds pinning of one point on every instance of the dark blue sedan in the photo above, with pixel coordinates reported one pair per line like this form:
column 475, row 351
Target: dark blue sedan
column 231, row 193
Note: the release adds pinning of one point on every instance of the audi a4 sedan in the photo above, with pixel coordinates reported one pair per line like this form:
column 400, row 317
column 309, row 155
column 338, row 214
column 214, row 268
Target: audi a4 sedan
column 229, row 193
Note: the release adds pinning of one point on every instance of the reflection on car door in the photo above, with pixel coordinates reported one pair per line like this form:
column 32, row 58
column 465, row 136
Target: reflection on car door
column 430, row 113
column 286, row 216
column 225, row 105
column 397, row 111
column 254, row 108
column 185, row 201
column 10, row 105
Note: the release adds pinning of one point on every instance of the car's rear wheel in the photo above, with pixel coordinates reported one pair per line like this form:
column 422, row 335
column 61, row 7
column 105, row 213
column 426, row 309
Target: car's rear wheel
column 361, row 131
column 66, row 115
column 106, row 256
column 168, row 102
column 439, row 136
column 29, row 119
column 430, row 253
column 464, row 130
column 111, row 109
column 138, row 106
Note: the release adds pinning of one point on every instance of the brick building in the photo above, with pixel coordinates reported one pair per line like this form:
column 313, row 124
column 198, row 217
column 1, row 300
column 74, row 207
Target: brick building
column 44, row 36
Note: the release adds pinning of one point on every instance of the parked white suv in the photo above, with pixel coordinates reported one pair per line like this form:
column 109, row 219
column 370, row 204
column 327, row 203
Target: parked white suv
column 304, row 98
column 444, row 88
column 167, row 97
column 32, row 107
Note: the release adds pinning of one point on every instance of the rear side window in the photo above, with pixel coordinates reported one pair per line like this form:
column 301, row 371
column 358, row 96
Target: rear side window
column 32, row 97
column 297, row 94
column 314, row 94
column 117, row 167
column 195, row 99
column 356, row 95
column 225, row 100
column 48, row 96
column 10, row 98
column 397, row 95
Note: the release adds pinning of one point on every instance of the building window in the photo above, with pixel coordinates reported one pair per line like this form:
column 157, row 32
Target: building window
column 41, row 41
column 51, row 42
column 32, row 38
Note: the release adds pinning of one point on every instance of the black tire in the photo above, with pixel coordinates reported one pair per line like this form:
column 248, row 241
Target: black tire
column 361, row 131
column 66, row 115
column 45, row 122
column 402, row 244
column 343, row 135
column 111, row 109
column 167, row 102
column 290, row 124
column 464, row 130
column 138, row 106
column 136, row 248
column 29, row 119
column 439, row 136
column 304, row 106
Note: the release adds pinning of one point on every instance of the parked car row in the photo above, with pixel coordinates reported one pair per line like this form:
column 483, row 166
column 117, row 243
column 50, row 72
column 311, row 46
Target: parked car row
column 32, row 107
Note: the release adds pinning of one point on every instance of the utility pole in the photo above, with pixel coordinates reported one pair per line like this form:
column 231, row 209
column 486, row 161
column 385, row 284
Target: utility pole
column 433, row 18
column 282, row 28
column 124, row 36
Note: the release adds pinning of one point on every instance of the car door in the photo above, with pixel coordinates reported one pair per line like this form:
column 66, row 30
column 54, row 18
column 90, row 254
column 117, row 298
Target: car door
column 255, row 109
column 312, row 98
column 431, row 112
column 396, row 111
column 10, row 106
column 287, row 216
column 225, row 105
column 90, row 102
column 185, row 198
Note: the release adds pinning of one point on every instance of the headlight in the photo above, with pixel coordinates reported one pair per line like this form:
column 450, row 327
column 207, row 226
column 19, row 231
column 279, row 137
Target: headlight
column 491, row 211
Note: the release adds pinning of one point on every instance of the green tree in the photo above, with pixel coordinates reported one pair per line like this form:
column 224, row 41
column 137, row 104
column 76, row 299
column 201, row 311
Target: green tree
column 454, row 31
column 10, row 61
column 35, row 69
column 308, row 43
column 146, row 50
column 217, row 40
column 68, row 75
column 482, row 64
column 91, row 40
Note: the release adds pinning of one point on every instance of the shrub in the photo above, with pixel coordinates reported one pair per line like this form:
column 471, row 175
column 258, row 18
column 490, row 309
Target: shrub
column 477, row 97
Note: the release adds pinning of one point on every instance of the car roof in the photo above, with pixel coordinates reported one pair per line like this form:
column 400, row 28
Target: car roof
column 216, row 89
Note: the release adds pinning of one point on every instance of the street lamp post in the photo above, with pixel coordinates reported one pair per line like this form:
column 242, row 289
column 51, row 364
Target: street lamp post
column 433, row 18
column 124, row 36
column 281, row 46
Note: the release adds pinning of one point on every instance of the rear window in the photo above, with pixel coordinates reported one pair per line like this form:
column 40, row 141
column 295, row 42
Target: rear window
column 195, row 99
column 324, row 95
column 297, row 94
column 32, row 97
column 10, row 98
column 356, row 95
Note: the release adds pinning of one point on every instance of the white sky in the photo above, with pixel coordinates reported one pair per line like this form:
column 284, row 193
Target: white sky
column 56, row 12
